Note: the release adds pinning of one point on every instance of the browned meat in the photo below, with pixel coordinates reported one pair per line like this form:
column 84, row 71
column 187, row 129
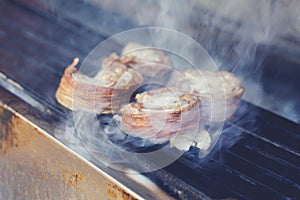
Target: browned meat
column 104, row 93
column 153, row 64
column 160, row 114
column 219, row 92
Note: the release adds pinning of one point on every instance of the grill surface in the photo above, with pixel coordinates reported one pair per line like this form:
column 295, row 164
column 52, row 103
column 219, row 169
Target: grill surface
column 259, row 152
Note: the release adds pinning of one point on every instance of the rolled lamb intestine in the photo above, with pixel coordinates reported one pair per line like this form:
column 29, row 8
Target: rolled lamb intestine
column 104, row 93
column 161, row 114
column 153, row 64
column 219, row 92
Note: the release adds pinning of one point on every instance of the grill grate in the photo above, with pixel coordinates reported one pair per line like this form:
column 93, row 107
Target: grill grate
column 35, row 47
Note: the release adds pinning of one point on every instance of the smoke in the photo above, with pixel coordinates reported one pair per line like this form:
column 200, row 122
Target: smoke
column 99, row 139
column 233, row 32
column 260, row 21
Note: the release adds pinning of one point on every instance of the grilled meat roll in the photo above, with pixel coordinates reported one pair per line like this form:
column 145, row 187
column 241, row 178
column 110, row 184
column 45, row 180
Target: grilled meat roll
column 219, row 92
column 153, row 64
column 161, row 114
column 104, row 93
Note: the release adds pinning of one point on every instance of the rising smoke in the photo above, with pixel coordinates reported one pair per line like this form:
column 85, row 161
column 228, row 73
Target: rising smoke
column 233, row 32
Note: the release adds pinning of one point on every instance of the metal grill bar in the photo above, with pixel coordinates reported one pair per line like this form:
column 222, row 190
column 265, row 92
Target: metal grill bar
column 35, row 47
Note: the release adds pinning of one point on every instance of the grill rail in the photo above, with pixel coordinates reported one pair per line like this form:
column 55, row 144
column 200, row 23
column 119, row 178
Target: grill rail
column 258, row 155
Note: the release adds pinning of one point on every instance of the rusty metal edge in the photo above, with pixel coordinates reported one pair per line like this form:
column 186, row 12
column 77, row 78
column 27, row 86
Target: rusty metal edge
column 23, row 110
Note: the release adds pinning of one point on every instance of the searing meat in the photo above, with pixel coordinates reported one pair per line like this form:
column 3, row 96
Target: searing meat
column 104, row 93
column 161, row 114
column 153, row 64
column 219, row 92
